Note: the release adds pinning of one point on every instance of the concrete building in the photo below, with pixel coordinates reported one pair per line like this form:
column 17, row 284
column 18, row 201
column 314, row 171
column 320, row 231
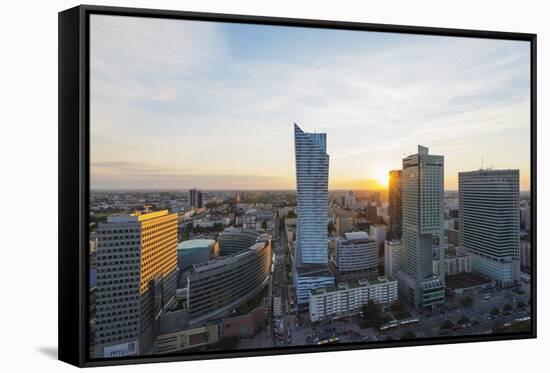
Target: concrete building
column 392, row 256
column 233, row 240
column 525, row 212
column 378, row 232
column 220, row 285
column 454, row 264
column 344, row 225
column 395, row 208
column 136, row 280
column 186, row 339
column 422, row 180
column 192, row 252
column 356, row 256
column 525, row 254
column 195, row 198
column 311, row 250
column 489, row 223
column 345, row 299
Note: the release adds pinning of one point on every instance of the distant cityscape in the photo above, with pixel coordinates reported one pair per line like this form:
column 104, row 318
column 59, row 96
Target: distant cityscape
column 194, row 270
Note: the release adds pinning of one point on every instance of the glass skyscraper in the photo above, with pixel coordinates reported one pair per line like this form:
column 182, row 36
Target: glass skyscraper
column 489, row 222
column 422, row 183
column 311, row 250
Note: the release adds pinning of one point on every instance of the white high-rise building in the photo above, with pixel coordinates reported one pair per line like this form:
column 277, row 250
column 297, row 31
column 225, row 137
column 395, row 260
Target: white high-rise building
column 311, row 253
column 378, row 232
column 422, row 180
column 489, row 222
column 392, row 255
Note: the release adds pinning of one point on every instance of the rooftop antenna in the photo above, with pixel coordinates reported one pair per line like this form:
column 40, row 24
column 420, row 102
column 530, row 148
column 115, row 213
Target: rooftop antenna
column 482, row 162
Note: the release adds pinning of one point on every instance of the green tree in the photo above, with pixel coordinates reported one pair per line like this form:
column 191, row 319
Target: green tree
column 467, row 301
column 507, row 307
column 372, row 315
column 230, row 343
column 408, row 335
column 495, row 312
column 463, row 320
column 447, row 324
column 520, row 305
column 399, row 308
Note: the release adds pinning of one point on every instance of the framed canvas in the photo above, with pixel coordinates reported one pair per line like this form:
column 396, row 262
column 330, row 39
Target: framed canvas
column 235, row 186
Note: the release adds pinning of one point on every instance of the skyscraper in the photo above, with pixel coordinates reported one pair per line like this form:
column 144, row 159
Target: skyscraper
column 395, row 208
column 311, row 250
column 136, row 280
column 195, row 198
column 422, row 183
column 489, row 222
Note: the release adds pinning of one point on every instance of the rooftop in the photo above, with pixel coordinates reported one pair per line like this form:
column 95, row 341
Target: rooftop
column 356, row 236
column 136, row 216
column 196, row 244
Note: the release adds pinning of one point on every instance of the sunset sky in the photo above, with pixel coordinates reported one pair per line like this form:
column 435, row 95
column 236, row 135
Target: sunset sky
column 179, row 104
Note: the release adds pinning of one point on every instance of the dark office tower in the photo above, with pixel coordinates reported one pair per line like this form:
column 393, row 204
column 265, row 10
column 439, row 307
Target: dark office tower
column 395, row 208
column 372, row 212
column 199, row 199
column 195, row 198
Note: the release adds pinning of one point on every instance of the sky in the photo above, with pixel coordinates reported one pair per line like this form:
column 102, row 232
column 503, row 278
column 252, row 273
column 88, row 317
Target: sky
column 176, row 104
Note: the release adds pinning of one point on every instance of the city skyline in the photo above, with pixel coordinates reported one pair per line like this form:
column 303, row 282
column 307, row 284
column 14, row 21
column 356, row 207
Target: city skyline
column 163, row 120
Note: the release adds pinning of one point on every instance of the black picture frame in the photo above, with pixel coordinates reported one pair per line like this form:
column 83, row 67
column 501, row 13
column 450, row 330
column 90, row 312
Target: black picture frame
column 74, row 190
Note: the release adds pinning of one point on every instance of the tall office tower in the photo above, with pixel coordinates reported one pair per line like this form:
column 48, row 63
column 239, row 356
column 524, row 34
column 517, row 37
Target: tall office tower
column 311, row 250
column 195, row 198
column 489, row 222
column 136, row 280
column 422, row 180
column 395, row 208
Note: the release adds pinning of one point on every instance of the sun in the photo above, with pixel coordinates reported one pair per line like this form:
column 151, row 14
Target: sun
column 383, row 178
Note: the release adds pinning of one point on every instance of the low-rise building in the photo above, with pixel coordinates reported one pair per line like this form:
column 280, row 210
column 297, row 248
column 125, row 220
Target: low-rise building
column 347, row 298
column 355, row 257
column 454, row 264
column 187, row 339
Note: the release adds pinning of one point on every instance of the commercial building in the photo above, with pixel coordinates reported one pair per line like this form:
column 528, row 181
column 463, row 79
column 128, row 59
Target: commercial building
column 220, row 285
column 395, row 207
column 356, row 256
column 525, row 254
column 343, row 225
column 233, row 240
column 192, row 252
column 345, row 299
column 454, row 264
column 195, row 198
column 186, row 339
column 136, row 280
column 422, row 181
column 378, row 232
column 311, row 249
column 489, row 223
column 392, row 256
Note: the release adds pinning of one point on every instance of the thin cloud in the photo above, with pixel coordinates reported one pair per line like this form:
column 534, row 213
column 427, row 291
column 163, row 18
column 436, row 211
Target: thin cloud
column 201, row 95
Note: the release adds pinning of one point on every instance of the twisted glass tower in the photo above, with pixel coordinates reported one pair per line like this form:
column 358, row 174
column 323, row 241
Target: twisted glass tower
column 311, row 250
column 312, row 189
